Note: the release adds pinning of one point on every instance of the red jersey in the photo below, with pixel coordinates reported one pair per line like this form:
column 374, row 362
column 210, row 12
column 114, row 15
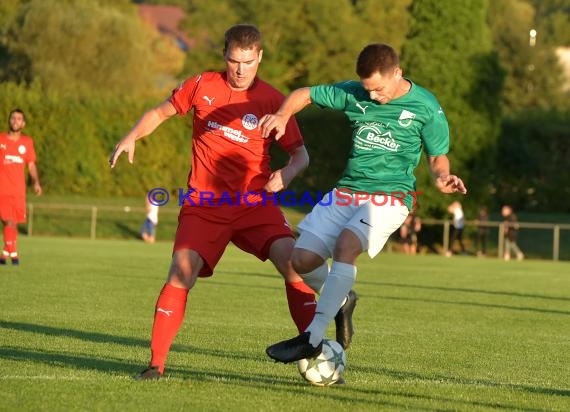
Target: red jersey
column 229, row 155
column 14, row 155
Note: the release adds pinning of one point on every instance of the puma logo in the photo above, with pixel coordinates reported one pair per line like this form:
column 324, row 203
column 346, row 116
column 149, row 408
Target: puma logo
column 363, row 108
column 210, row 101
column 166, row 312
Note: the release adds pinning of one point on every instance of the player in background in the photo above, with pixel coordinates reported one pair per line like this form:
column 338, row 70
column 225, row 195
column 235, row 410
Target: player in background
column 458, row 223
column 148, row 228
column 409, row 233
column 392, row 120
column 229, row 159
column 511, row 231
column 16, row 151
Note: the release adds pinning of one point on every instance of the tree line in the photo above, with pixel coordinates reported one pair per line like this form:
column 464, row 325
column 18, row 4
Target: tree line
column 84, row 70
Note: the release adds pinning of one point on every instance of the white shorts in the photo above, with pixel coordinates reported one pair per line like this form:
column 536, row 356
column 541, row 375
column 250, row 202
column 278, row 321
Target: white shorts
column 372, row 223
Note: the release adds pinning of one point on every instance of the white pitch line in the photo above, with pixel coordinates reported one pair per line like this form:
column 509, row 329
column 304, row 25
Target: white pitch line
column 48, row 377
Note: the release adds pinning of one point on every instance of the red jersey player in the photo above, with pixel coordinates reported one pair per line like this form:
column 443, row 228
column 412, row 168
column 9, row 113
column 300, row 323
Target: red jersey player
column 16, row 151
column 229, row 159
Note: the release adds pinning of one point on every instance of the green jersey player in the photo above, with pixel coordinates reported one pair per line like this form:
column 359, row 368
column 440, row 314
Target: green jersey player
column 393, row 120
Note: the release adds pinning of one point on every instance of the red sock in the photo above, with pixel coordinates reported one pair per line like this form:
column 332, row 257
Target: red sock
column 10, row 237
column 302, row 304
column 168, row 316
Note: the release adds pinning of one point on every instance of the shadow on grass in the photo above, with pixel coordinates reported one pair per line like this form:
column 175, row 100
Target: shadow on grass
column 126, row 231
column 445, row 289
column 95, row 337
column 475, row 304
column 344, row 393
column 66, row 360
column 438, row 379
column 468, row 290
column 339, row 393
column 355, row 395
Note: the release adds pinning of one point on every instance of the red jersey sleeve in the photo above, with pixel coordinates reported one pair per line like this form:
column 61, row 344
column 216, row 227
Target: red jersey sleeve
column 30, row 155
column 182, row 97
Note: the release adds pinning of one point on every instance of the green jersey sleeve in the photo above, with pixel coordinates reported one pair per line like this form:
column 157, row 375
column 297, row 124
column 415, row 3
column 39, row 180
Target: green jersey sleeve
column 435, row 133
column 334, row 96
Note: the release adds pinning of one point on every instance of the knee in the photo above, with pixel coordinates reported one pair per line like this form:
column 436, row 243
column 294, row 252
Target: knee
column 347, row 247
column 182, row 272
column 304, row 261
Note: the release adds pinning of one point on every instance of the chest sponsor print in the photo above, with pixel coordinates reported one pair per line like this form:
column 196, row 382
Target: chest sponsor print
column 228, row 132
column 370, row 137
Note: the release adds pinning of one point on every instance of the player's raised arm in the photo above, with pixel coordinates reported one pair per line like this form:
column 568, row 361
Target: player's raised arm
column 148, row 122
column 444, row 181
column 293, row 104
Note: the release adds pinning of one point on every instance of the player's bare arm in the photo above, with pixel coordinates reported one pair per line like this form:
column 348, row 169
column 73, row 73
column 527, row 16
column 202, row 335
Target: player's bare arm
column 293, row 104
column 148, row 123
column 281, row 178
column 35, row 178
column 444, row 181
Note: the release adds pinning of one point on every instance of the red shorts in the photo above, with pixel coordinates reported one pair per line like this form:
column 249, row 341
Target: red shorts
column 13, row 208
column 208, row 230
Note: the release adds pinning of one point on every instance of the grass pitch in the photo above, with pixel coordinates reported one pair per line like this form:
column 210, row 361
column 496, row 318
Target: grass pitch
column 431, row 334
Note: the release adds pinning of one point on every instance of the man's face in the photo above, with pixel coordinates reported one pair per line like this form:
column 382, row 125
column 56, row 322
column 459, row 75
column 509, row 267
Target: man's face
column 383, row 87
column 241, row 67
column 17, row 122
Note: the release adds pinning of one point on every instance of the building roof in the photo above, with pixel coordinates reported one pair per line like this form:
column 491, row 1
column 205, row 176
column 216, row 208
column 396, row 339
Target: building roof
column 165, row 19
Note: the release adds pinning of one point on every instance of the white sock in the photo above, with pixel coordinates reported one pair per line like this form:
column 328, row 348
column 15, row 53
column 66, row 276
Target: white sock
column 339, row 282
column 316, row 278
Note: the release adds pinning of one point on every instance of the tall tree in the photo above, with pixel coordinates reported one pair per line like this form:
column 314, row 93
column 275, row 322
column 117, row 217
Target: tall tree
column 449, row 52
column 10, row 63
column 387, row 21
column 305, row 41
column 533, row 156
column 533, row 73
column 532, row 149
column 553, row 21
column 82, row 46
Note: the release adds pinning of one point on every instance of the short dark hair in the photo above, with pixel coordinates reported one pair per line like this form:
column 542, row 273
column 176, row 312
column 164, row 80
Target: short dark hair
column 244, row 36
column 16, row 110
column 377, row 57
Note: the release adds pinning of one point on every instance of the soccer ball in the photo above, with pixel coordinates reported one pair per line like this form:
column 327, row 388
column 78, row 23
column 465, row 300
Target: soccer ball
column 325, row 369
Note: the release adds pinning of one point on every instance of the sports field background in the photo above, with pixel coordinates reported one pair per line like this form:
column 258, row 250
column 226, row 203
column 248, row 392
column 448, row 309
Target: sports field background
column 431, row 334
column 121, row 218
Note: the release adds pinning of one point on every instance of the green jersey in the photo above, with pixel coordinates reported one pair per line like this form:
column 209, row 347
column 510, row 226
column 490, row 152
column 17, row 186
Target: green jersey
column 387, row 139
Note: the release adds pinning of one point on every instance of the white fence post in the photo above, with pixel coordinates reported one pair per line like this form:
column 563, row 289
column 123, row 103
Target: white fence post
column 556, row 243
column 93, row 222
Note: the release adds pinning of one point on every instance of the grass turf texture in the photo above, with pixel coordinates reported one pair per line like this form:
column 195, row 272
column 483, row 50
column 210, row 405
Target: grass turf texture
column 431, row 334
